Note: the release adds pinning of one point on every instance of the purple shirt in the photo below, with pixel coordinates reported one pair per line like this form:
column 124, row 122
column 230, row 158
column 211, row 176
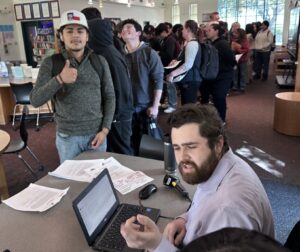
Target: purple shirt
column 232, row 197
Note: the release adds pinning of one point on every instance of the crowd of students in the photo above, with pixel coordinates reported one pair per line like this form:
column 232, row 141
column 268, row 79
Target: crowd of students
column 105, row 85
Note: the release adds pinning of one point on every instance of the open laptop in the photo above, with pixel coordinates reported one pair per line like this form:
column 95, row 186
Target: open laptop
column 100, row 214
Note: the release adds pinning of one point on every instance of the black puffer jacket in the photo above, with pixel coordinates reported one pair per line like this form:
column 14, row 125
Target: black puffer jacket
column 101, row 41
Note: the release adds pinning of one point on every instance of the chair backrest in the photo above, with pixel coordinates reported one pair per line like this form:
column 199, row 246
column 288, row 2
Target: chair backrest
column 151, row 148
column 22, row 92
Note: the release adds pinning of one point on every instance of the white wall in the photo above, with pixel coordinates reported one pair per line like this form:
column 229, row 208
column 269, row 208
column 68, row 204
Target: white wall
column 7, row 17
column 162, row 12
column 204, row 6
column 154, row 15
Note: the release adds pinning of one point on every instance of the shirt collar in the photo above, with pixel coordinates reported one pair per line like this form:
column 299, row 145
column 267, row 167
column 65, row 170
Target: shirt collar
column 126, row 50
column 223, row 167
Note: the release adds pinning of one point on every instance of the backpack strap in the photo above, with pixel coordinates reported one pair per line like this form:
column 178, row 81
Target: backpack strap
column 58, row 63
column 97, row 64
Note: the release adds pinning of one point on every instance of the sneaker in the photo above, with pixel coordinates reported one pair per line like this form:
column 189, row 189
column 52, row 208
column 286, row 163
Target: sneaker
column 169, row 110
column 164, row 105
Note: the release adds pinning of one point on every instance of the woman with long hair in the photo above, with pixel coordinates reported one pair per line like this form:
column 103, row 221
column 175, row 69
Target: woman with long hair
column 191, row 58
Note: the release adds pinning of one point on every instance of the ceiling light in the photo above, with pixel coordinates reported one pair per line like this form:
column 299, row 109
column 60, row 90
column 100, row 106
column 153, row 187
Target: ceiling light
column 129, row 4
column 100, row 3
column 90, row 2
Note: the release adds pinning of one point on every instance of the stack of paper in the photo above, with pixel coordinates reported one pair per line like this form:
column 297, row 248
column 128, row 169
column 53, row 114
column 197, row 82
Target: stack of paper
column 124, row 179
column 36, row 198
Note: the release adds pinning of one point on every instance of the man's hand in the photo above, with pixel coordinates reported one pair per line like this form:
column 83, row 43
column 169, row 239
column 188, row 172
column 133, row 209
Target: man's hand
column 149, row 238
column 99, row 138
column 169, row 78
column 68, row 74
column 175, row 231
column 152, row 111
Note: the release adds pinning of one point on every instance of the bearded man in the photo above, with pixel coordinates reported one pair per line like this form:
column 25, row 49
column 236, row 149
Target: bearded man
column 229, row 193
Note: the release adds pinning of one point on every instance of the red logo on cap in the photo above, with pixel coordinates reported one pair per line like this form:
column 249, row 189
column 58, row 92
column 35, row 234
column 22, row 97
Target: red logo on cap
column 76, row 18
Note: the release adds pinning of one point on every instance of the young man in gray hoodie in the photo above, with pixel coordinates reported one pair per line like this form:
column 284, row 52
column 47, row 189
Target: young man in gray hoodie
column 84, row 100
column 146, row 73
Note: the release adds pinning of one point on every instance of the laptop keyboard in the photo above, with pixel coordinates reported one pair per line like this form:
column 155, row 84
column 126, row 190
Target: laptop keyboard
column 113, row 239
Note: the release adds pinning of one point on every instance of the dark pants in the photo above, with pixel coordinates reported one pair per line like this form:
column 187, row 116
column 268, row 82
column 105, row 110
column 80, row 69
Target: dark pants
column 119, row 137
column 218, row 89
column 261, row 63
column 189, row 91
column 139, row 127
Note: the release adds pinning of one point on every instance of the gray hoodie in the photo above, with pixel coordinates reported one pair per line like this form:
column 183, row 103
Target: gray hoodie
column 83, row 107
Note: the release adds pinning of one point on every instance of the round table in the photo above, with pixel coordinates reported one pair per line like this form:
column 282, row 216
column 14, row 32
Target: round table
column 4, row 142
column 287, row 113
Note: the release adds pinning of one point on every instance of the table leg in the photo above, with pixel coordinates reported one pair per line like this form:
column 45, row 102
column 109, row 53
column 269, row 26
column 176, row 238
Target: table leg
column 3, row 184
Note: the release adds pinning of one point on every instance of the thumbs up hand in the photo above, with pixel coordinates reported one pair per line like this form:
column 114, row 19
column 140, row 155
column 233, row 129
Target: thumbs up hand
column 68, row 74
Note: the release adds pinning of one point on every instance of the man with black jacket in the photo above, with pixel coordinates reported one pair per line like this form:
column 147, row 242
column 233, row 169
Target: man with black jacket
column 101, row 41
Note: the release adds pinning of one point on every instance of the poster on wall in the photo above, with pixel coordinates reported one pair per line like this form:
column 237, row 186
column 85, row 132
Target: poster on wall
column 36, row 12
column 45, row 10
column 27, row 11
column 206, row 17
column 54, row 9
column 19, row 11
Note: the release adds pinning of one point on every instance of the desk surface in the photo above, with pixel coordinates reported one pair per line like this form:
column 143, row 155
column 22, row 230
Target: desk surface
column 289, row 96
column 4, row 82
column 4, row 140
column 58, row 229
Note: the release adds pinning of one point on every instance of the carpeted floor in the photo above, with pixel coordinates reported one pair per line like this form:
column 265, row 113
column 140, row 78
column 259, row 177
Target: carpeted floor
column 285, row 202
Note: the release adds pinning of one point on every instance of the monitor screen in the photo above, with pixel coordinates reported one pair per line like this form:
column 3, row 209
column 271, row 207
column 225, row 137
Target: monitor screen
column 293, row 35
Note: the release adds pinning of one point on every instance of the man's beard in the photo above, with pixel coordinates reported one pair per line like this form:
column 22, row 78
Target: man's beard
column 201, row 173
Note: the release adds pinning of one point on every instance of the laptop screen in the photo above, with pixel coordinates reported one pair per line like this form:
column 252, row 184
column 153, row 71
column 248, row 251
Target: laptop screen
column 95, row 205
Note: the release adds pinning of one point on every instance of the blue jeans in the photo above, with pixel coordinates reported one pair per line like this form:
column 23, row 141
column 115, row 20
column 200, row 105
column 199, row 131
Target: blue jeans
column 172, row 94
column 240, row 76
column 70, row 146
column 189, row 91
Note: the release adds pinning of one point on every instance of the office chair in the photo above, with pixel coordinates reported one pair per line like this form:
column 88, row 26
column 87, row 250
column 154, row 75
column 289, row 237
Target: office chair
column 21, row 93
column 16, row 146
column 151, row 148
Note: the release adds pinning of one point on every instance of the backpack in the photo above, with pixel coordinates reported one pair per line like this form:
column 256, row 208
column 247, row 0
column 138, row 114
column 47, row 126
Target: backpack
column 58, row 63
column 273, row 46
column 209, row 67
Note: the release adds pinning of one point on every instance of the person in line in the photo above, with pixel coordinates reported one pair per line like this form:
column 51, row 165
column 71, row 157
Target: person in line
column 229, row 193
column 91, row 13
column 263, row 43
column 233, row 34
column 240, row 46
column 146, row 73
column 167, row 53
column 250, row 36
column 219, row 87
column 235, row 240
column 190, row 69
column 101, row 41
column 84, row 103
column 214, row 17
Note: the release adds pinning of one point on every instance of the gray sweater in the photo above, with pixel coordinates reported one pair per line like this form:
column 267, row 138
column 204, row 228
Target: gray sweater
column 83, row 107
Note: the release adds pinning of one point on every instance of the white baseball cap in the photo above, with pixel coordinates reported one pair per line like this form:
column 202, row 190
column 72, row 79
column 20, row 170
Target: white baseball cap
column 73, row 17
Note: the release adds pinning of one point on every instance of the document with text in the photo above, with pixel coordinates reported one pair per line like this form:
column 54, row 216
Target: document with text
column 124, row 179
column 36, row 198
column 75, row 169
